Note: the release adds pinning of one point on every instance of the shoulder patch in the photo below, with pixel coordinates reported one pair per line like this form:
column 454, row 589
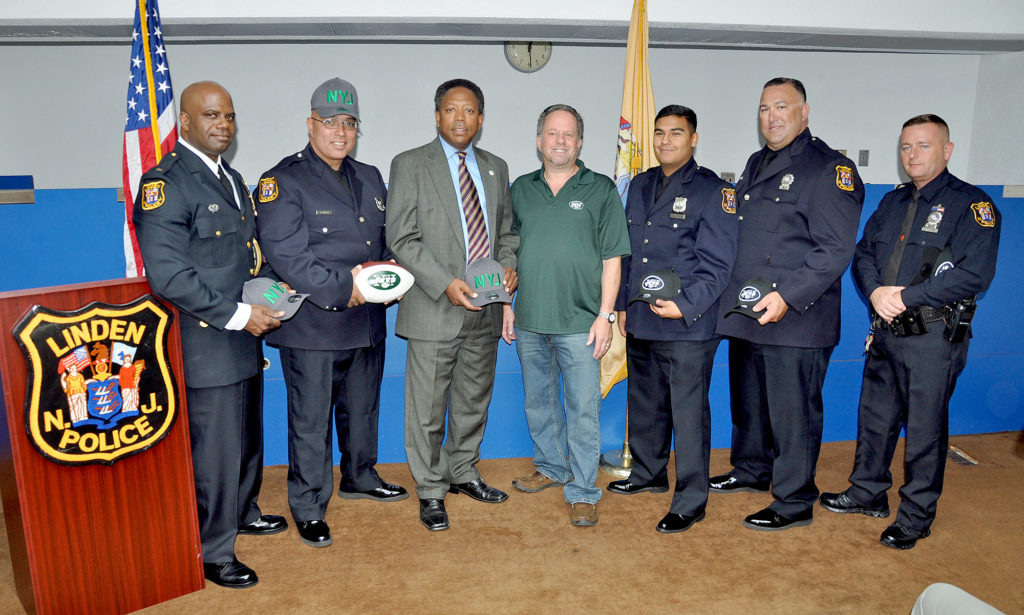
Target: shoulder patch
column 153, row 194
column 844, row 178
column 268, row 189
column 984, row 215
column 729, row 200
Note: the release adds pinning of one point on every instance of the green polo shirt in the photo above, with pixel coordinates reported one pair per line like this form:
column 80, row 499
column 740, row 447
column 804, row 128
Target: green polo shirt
column 563, row 240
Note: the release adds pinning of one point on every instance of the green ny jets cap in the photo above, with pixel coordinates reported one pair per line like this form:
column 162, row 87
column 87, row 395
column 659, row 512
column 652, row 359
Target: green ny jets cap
column 335, row 97
column 271, row 293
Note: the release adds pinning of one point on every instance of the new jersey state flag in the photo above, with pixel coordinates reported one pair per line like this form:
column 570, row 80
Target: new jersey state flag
column 635, row 153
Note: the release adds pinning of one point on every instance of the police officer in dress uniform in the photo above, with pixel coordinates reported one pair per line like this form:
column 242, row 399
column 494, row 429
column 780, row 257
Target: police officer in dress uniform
column 799, row 204
column 321, row 215
column 197, row 232
column 682, row 219
column 926, row 253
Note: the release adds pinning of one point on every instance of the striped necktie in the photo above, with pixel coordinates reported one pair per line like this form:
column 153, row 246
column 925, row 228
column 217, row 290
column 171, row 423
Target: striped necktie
column 479, row 246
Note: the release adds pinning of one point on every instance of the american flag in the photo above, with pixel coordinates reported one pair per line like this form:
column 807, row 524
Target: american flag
column 78, row 357
column 150, row 130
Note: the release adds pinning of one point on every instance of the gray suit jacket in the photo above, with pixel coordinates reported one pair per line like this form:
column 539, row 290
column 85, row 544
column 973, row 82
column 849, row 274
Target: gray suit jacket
column 424, row 231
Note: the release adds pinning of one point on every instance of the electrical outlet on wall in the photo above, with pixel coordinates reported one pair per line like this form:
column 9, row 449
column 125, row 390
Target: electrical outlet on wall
column 862, row 160
column 729, row 177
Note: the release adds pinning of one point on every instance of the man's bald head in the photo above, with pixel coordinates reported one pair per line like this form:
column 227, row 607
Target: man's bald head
column 207, row 118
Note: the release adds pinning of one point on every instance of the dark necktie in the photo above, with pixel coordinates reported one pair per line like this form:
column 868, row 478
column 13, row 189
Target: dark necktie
column 345, row 186
column 768, row 157
column 478, row 247
column 661, row 187
column 892, row 268
column 224, row 181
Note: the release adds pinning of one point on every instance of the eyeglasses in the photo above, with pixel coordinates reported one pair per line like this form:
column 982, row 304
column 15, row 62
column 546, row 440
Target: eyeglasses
column 333, row 123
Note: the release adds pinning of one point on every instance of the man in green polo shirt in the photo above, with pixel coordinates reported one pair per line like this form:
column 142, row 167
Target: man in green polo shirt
column 573, row 234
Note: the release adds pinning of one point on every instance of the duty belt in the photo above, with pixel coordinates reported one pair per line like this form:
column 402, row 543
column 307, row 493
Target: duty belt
column 913, row 321
column 930, row 314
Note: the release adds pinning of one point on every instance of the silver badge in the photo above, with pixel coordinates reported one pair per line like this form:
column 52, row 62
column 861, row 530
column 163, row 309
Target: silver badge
column 213, row 207
column 934, row 219
column 576, row 205
column 380, row 202
column 787, row 181
column 679, row 205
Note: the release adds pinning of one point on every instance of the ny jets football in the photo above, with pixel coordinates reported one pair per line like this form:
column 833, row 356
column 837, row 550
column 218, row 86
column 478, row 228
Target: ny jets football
column 383, row 281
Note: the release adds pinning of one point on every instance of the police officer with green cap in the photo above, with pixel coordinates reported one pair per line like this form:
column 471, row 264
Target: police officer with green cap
column 321, row 214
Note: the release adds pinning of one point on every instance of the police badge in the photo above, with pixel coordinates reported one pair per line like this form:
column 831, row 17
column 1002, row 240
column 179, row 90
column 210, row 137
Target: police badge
column 931, row 225
column 787, row 181
column 678, row 208
column 380, row 202
column 100, row 385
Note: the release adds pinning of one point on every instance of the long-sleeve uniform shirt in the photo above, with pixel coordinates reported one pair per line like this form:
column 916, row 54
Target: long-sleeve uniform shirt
column 951, row 215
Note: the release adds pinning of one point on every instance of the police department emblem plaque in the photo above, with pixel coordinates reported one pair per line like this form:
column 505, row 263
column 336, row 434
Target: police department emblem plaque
column 100, row 385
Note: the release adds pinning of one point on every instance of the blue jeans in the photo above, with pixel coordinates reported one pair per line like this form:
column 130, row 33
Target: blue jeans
column 566, row 441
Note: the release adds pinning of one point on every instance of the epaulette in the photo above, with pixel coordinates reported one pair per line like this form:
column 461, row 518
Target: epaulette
column 164, row 165
column 294, row 158
column 288, row 161
column 706, row 172
column 821, row 146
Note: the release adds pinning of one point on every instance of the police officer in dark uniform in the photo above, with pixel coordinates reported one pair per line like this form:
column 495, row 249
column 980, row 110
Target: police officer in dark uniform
column 197, row 233
column 321, row 215
column 927, row 251
column 682, row 226
column 799, row 205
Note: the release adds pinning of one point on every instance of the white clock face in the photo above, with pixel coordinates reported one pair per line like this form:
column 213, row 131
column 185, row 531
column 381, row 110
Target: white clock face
column 527, row 56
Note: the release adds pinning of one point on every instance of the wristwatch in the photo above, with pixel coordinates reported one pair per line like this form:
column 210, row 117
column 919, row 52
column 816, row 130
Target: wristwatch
column 609, row 317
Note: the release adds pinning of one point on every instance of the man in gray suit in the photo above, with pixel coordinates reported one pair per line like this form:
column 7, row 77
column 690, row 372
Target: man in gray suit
column 448, row 204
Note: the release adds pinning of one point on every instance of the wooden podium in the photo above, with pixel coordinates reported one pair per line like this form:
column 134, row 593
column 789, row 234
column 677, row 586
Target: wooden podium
column 87, row 537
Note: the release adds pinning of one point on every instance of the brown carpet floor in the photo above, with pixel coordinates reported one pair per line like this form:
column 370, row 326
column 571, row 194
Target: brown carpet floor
column 523, row 556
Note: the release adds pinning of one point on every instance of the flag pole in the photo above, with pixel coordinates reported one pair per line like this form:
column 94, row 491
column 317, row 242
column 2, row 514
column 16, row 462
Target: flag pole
column 634, row 154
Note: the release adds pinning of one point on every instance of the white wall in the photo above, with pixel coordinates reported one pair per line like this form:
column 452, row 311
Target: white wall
column 994, row 17
column 62, row 112
column 999, row 123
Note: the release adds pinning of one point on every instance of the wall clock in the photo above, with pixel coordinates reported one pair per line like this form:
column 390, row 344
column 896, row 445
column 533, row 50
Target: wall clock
column 527, row 56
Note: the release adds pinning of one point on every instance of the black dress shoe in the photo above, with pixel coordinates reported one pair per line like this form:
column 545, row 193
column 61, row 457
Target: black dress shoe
column 768, row 520
column 673, row 523
column 727, row 483
column 265, row 525
column 899, row 536
column 479, row 491
column 843, row 503
column 385, row 493
column 627, row 488
column 233, row 574
column 433, row 515
column 315, row 533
